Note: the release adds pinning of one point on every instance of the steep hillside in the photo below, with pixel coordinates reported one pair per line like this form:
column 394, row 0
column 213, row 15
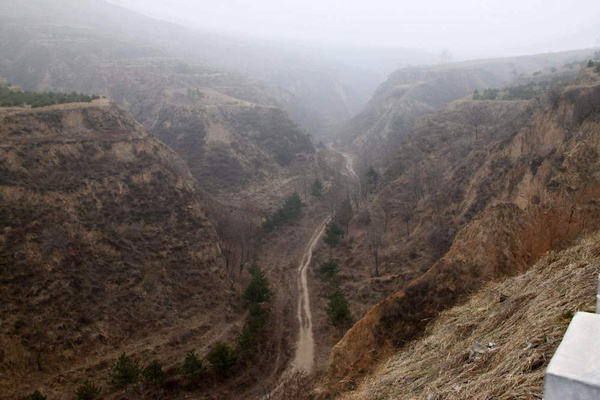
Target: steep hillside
column 499, row 342
column 410, row 93
column 185, row 105
column 104, row 248
column 521, row 186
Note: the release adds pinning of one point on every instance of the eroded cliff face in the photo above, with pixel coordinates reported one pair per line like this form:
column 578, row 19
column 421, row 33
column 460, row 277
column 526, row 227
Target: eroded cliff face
column 104, row 246
column 527, row 183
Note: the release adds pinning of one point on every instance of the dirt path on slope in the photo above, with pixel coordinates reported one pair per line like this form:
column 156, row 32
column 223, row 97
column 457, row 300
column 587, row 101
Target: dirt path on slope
column 304, row 359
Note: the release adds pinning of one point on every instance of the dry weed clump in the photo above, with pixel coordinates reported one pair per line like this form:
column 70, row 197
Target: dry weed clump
column 523, row 319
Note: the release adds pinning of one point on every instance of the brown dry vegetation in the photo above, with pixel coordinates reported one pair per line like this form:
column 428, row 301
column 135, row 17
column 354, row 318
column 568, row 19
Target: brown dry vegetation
column 525, row 318
column 104, row 249
column 546, row 171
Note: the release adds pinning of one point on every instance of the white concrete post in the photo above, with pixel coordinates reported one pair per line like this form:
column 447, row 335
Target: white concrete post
column 598, row 297
column 574, row 371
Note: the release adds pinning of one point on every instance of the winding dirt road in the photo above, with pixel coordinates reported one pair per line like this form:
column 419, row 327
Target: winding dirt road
column 304, row 358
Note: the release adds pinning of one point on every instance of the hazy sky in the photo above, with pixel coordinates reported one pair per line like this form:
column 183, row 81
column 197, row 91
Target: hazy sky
column 466, row 27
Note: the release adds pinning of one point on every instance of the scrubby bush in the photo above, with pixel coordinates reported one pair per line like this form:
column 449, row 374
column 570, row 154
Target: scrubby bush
column 36, row 396
column 222, row 358
column 333, row 234
column 88, row 391
column 125, row 371
column 316, row 189
column 153, row 375
column 192, row 368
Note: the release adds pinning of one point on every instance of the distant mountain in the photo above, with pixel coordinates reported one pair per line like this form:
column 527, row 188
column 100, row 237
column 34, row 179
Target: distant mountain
column 214, row 117
column 412, row 92
column 326, row 92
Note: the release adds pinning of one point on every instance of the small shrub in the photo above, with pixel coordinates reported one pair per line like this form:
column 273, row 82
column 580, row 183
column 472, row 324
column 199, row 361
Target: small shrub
column 154, row 375
column 192, row 368
column 125, row 372
column 88, row 391
column 329, row 269
column 36, row 396
column 333, row 234
column 222, row 358
column 316, row 189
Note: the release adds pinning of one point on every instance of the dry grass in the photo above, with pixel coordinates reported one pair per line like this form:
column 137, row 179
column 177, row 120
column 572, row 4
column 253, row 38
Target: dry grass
column 524, row 316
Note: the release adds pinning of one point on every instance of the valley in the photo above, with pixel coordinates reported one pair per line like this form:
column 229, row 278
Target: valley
column 197, row 215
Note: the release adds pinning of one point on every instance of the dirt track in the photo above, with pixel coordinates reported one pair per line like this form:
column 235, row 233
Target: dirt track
column 305, row 348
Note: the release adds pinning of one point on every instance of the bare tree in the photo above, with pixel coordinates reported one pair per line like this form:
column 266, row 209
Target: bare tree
column 386, row 208
column 434, row 177
column 246, row 242
column 407, row 212
column 415, row 183
column 477, row 116
column 375, row 235
column 445, row 56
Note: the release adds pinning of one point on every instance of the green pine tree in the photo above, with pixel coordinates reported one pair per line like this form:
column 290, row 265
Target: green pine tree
column 154, row 375
column 36, row 396
column 316, row 189
column 333, row 236
column 88, row 391
column 329, row 269
column 345, row 213
column 338, row 309
column 125, row 372
column 222, row 358
column 192, row 368
column 258, row 291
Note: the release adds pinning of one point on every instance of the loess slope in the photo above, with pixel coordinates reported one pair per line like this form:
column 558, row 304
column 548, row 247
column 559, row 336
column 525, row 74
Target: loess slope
column 524, row 317
column 104, row 247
